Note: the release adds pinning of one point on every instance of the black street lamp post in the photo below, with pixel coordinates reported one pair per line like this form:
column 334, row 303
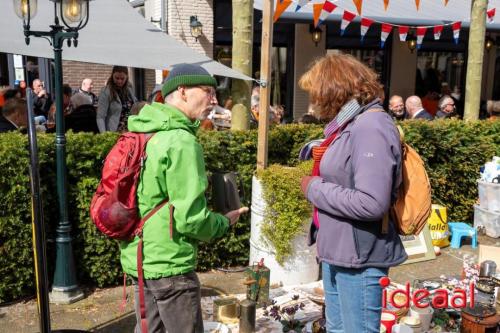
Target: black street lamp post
column 74, row 16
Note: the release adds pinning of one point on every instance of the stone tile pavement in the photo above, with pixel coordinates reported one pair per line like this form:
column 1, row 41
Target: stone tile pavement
column 100, row 310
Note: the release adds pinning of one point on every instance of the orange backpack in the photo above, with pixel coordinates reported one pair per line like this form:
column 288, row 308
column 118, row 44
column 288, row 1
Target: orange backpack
column 412, row 208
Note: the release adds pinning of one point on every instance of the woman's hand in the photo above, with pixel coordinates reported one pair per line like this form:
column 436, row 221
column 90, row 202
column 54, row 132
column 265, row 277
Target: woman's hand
column 304, row 183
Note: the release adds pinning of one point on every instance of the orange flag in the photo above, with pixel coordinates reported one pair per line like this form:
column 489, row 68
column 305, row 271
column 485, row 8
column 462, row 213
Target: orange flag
column 281, row 6
column 386, row 4
column 445, row 2
column 317, row 7
column 358, row 4
column 417, row 3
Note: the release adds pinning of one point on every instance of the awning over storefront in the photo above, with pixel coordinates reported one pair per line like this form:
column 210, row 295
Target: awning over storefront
column 115, row 35
column 403, row 12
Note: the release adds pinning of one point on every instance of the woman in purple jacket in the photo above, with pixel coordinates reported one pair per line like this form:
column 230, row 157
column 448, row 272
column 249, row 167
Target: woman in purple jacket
column 353, row 186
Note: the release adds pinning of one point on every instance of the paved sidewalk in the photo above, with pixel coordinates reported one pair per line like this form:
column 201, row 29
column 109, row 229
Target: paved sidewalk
column 100, row 310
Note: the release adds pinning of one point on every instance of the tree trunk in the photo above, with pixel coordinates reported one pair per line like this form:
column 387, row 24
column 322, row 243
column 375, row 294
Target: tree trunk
column 475, row 59
column 242, row 59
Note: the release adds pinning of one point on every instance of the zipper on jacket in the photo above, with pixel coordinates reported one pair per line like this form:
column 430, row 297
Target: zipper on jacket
column 356, row 243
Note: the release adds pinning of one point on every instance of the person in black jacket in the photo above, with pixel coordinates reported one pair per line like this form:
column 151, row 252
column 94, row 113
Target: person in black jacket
column 41, row 99
column 13, row 115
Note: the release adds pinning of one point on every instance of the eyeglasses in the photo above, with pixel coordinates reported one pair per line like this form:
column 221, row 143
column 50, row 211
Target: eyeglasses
column 209, row 90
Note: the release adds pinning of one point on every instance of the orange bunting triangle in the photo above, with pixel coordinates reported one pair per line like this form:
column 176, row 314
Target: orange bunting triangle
column 317, row 7
column 446, row 2
column 281, row 6
column 417, row 3
column 358, row 4
column 386, row 4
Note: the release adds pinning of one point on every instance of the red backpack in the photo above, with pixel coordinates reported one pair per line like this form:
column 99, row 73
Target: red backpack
column 114, row 205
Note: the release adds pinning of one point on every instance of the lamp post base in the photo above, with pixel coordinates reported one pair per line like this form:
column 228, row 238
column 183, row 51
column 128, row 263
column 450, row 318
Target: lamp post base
column 64, row 296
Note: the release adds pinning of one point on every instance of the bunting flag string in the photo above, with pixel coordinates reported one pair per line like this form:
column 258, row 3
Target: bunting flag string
column 347, row 17
column 327, row 8
column 386, row 30
column 417, row 4
column 491, row 15
column 317, row 8
column 281, row 6
column 358, row 4
column 438, row 29
column 365, row 25
column 321, row 11
column 456, row 26
column 301, row 4
column 403, row 32
column 420, row 36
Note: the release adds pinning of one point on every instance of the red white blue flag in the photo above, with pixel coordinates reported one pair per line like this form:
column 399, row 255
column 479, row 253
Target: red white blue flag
column 438, row 29
column 386, row 30
column 346, row 19
column 365, row 25
column 420, row 36
column 456, row 26
column 403, row 32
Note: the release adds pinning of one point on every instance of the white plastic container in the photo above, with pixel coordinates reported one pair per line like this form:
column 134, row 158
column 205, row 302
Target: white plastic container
column 488, row 219
column 300, row 268
column 489, row 195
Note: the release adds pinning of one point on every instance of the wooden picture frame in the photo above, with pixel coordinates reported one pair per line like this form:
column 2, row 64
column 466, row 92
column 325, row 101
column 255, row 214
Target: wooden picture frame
column 419, row 248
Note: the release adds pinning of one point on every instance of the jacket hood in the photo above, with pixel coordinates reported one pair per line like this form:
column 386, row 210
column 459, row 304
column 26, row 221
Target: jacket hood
column 161, row 117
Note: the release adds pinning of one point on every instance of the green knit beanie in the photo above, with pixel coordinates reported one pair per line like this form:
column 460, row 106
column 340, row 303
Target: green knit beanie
column 187, row 75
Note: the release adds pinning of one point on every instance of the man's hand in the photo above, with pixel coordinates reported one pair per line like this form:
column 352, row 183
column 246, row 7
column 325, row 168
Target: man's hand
column 234, row 215
column 42, row 93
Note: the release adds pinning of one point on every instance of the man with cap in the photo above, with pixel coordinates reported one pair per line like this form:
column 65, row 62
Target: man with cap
column 174, row 170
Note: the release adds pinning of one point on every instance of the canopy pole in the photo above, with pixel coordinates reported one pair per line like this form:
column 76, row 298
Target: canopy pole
column 265, row 75
column 475, row 59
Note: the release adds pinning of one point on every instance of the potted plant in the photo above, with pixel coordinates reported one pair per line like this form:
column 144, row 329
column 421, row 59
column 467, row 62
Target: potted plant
column 280, row 220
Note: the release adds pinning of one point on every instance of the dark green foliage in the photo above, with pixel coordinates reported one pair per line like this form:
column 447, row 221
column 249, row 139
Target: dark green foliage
column 453, row 151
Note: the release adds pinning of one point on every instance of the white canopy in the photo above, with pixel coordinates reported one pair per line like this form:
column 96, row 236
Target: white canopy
column 404, row 12
column 115, row 35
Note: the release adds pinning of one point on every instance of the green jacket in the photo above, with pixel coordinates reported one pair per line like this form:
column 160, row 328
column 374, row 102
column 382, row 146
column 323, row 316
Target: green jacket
column 174, row 169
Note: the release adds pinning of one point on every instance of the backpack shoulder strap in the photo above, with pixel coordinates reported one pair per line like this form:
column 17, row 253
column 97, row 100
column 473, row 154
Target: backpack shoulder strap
column 385, row 219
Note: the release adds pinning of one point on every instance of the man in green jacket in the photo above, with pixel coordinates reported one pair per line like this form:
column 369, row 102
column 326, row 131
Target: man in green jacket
column 174, row 169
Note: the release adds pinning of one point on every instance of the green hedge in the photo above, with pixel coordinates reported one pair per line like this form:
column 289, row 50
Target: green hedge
column 453, row 151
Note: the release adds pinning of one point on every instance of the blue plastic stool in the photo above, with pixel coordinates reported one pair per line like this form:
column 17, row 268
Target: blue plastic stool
column 459, row 230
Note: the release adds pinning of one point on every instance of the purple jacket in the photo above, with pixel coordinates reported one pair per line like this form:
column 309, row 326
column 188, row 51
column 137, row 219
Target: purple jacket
column 360, row 173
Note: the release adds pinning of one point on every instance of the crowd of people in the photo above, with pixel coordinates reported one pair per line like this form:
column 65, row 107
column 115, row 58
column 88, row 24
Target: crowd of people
column 413, row 108
column 85, row 111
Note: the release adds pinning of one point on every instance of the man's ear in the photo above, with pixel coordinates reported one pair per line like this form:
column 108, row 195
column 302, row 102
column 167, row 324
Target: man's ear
column 182, row 91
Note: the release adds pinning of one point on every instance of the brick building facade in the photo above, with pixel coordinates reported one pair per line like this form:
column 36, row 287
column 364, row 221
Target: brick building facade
column 74, row 72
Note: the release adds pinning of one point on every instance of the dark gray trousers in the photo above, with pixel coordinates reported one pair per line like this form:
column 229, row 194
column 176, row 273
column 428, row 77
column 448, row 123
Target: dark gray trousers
column 173, row 304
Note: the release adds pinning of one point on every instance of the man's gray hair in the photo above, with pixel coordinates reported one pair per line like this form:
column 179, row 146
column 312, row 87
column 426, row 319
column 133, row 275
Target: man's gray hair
column 443, row 100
